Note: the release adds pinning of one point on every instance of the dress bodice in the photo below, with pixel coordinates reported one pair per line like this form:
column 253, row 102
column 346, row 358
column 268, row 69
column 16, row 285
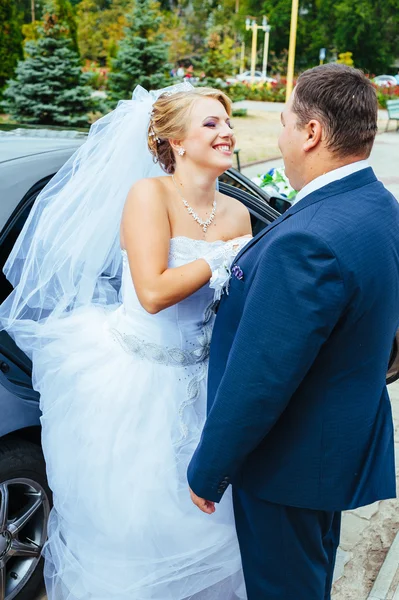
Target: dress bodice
column 179, row 334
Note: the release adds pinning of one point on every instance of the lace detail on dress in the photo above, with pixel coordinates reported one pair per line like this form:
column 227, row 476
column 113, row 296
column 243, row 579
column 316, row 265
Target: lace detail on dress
column 193, row 387
column 182, row 247
column 171, row 357
column 193, row 392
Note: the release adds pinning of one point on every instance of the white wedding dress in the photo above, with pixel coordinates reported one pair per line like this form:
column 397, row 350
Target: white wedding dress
column 123, row 395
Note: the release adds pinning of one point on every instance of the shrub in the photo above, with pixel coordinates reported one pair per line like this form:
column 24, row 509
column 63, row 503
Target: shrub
column 240, row 112
column 387, row 93
column 262, row 92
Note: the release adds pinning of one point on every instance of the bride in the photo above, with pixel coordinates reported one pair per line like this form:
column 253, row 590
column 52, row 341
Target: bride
column 112, row 302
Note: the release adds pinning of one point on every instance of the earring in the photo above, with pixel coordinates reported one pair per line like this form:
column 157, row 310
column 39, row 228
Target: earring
column 181, row 152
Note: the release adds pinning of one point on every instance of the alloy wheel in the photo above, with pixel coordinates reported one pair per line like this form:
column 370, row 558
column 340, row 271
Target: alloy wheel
column 24, row 511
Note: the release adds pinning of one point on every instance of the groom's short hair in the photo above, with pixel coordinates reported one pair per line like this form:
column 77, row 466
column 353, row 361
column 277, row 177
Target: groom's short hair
column 344, row 101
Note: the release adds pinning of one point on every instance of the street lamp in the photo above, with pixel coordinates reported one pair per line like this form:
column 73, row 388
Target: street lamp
column 252, row 25
column 291, row 49
column 266, row 28
column 242, row 58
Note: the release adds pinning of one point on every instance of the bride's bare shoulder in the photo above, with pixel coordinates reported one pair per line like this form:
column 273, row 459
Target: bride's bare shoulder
column 237, row 214
column 147, row 194
column 145, row 214
column 150, row 186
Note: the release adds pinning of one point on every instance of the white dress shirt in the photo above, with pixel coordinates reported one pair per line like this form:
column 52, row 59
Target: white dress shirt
column 329, row 177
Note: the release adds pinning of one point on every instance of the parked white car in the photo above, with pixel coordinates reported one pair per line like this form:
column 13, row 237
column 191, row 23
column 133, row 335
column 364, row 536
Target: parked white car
column 385, row 80
column 246, row 78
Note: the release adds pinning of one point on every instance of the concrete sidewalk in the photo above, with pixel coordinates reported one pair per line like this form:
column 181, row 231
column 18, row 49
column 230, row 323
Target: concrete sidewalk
column 384, row 159
column 368, row 558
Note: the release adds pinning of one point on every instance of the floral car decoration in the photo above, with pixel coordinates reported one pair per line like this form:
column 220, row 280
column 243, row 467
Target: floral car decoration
column 275, row 183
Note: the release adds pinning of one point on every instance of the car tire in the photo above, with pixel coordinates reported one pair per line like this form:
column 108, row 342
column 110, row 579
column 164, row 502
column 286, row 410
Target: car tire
column 26, row 498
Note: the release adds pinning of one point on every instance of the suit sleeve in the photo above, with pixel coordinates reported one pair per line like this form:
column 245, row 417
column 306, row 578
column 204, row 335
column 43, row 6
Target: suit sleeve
column 293, row 304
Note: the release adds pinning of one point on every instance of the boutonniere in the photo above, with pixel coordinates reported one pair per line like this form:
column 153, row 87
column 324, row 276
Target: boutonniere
column 220, row 279
column 237, row 272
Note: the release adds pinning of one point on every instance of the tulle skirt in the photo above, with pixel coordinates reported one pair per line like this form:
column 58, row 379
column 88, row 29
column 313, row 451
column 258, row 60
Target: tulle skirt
column 119, row 429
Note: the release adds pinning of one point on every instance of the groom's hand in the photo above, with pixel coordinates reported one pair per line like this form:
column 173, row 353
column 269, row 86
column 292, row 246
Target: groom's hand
column 205, row 505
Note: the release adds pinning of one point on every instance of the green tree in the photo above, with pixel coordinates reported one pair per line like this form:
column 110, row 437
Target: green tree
column 100, row 27
column 142, row 57
column 370, row 30
column 49, row 86
column 10, row 41
column 197, row 18
column 176, row 35
column 24, row 10
column 65, row 14
column 217, row 60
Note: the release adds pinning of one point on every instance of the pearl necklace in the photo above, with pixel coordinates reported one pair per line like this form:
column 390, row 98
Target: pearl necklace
column 191, row 211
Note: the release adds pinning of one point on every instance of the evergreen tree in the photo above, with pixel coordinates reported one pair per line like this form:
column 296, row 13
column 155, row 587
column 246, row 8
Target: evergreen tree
column 49, row 86
column 142, row 58
column 10, row 41
column 217, row 60
column 65, row 13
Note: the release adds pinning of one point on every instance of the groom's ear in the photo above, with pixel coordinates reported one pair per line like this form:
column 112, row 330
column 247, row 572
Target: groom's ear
column 313, row 135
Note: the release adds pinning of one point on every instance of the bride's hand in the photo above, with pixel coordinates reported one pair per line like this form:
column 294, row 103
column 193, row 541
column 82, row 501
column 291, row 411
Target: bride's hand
column 241, row 241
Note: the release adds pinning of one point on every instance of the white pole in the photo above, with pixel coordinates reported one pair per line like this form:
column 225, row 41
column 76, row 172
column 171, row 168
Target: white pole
column 253, row 54
column 265, row 53
column 242, row 59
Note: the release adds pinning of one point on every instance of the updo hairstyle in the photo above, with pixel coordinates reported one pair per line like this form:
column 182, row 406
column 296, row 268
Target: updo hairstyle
column 170, row 119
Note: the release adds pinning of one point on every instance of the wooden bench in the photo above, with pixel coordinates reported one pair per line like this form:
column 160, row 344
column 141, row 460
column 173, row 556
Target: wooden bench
column 393, row 113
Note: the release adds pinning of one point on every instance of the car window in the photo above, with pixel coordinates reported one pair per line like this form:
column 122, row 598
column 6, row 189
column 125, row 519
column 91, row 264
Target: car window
column 236, row 179
column 8, row 238
column 235, row 182
column 14, row 364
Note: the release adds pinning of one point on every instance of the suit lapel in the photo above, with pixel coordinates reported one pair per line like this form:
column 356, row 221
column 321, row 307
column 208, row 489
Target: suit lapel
column 341, row 186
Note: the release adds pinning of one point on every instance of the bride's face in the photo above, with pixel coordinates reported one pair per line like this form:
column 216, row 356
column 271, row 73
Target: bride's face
column 209, row 141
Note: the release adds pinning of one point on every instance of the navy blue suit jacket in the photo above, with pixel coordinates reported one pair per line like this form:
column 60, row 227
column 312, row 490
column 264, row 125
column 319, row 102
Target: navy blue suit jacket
column 298, row 410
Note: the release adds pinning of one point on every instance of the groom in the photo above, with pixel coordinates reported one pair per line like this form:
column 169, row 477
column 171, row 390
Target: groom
column 299, row 416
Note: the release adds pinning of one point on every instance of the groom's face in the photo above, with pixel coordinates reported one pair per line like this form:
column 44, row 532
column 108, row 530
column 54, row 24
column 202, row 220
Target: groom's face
column 291, row 143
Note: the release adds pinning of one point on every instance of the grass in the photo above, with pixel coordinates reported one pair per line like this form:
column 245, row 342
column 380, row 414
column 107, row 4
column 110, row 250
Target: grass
column 257, row 135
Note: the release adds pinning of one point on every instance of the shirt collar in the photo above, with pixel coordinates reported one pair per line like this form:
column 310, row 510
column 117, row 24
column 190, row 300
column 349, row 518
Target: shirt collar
column 329, row 177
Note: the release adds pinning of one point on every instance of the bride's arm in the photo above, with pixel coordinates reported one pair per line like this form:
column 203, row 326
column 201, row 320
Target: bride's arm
column 146, row 237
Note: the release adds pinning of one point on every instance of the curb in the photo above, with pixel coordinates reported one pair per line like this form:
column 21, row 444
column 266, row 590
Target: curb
column 260, row 162
column 386, row 574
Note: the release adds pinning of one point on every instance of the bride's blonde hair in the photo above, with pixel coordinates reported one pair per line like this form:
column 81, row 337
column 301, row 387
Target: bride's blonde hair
column 169, row 121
